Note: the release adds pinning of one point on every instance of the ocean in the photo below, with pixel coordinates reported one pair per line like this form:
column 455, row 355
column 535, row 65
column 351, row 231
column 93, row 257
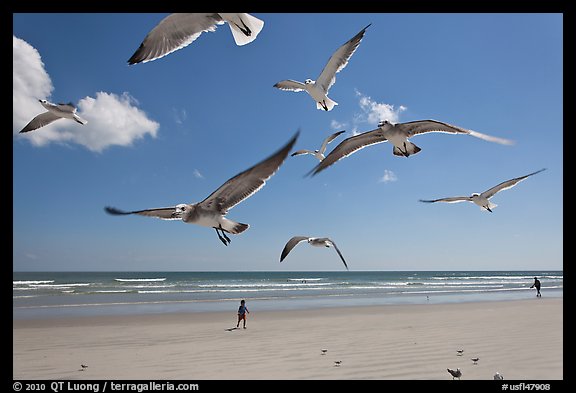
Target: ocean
column 59, row 294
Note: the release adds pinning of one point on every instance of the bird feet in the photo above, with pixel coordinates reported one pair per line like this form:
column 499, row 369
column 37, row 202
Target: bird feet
column 223, row 238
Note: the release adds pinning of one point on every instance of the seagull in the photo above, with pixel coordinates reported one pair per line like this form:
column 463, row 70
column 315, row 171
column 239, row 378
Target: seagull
column 211, row 211
column 319, row 154
column 55, row 112
column 482, row 199
column 455, row 373
column 324, row 351
column 318, row 89
column 179, row 30
column 459, row 352
column 337, row 363
column 397, row 134
column 313, row 241
column 498, row 376
column 475, row 360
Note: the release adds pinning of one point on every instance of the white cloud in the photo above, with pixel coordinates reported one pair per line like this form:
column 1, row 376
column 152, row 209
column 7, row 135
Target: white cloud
column 112, row 119
column 197, row 174
column 374, row 112
column 30, row 83
column 336, row 125
column 389, row 176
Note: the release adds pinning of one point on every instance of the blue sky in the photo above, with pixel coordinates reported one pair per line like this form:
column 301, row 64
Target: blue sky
column 173, row 130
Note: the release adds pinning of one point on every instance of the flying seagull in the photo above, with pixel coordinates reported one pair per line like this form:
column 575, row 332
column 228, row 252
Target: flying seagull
column 211, row 211
column 55, row 112
column 498, row 376
column 318, row 89
column 482, row 199
column 397, row 134
column 179, row 30
column 455, row 373
column 319, row 154
column 313, row 241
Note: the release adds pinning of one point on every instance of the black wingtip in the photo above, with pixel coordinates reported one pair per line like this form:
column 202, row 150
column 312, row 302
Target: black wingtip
column 114, row 211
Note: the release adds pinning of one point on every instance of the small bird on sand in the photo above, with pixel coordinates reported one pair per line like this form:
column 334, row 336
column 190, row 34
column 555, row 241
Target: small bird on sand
column 337, row 363
column 324, row 351
column 455, row 373
column 459, row 352
column 475, row 360
column 498, row 376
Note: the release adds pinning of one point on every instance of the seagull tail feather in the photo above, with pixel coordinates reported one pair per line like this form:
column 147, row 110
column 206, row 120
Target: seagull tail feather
column 254, row 26
column 410, row 149
column 330, row 104
column 233, row 227
column 80, row 120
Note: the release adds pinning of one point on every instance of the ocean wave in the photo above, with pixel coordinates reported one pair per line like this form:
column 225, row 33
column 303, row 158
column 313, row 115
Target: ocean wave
column 58, row 286
column 267, row 285
column 32, row 282
column 139, row 279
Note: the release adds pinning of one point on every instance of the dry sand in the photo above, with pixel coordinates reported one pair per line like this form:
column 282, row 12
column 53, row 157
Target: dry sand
column 522, row 340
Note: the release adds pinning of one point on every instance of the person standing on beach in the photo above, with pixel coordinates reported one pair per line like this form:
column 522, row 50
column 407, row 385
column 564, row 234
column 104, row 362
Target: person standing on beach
column 242, row 311
column 537, row 285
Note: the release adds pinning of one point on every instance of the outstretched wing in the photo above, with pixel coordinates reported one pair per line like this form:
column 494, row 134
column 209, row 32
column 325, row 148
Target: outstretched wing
column 290, row 245
column 349, row 146
column 41, row 120
column 448, row 200
column 246, row 183
column 507, row 184
column 338, row 251
column 164, row 213
column 423, row 126
column 174, row 32
column 329, row 139
column 339, row 60
column 290, row 85
column 300, row 152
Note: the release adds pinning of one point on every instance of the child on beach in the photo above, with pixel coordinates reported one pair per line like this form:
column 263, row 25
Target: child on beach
column 242, row 311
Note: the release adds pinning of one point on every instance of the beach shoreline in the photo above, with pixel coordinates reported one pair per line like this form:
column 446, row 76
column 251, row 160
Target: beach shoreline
column 521, row 339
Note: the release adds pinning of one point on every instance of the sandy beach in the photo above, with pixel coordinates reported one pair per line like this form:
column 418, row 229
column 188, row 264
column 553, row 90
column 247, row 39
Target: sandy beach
column 522, row 339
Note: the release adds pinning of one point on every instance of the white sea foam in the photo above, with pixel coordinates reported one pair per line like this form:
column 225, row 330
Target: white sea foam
column 139, row 279
column 32, row 282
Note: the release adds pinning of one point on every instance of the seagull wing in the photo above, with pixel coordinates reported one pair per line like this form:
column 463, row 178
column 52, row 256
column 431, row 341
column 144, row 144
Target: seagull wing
column 448, row 200
column 507, row 184
column 423, row 126
column 339, row 60
column 300, row 152
column 338, row 251
column 164, row 213
column 349, row 146
column 247, row 183
column 174, row 32
column 290, row 85
column 41, row 120
column 328, row 140
column 290, row 245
